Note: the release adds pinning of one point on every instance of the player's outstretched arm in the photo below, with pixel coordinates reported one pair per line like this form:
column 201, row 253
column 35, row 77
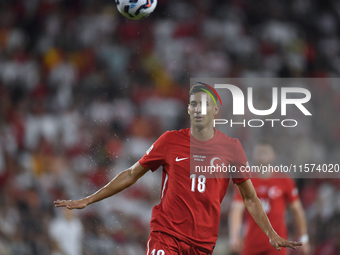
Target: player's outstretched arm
column 122, row 181
column 300, row 221
column 254, row 207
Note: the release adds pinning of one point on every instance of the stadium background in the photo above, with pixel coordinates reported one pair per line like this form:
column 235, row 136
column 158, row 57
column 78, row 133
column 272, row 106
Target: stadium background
column 84, row 92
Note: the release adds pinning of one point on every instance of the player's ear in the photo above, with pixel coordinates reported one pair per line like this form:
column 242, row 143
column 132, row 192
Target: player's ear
column 216, row 109
column 189, row 109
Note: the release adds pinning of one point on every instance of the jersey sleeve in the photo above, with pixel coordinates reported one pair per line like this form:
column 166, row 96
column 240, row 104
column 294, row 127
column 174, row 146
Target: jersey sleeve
column 155, row 156
column 240, row 162
column 292, row 192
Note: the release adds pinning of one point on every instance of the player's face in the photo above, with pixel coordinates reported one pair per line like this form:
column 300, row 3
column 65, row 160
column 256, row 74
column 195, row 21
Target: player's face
column 195, row 110
column 264, row 154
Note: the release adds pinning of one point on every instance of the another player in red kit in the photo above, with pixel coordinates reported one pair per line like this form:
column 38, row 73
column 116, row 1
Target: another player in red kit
column 186, row 220
column 276, row 192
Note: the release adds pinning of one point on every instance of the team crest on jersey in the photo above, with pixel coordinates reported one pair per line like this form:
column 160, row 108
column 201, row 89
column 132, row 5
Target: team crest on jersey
column 274, row 192
column 213, row 159
column 150, row 149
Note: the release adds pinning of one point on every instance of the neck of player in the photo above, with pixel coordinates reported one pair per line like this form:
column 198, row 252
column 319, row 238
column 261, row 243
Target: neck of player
column 202, row 134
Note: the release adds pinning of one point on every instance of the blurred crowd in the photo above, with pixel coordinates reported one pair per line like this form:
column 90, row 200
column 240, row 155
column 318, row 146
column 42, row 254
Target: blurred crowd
column 84, row 92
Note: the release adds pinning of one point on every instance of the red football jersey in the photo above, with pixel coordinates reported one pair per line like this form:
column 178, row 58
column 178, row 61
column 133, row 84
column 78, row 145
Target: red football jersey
column 275, row 195
column 190, row 204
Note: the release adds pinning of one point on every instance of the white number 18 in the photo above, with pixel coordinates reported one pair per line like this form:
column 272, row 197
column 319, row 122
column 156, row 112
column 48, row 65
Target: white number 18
column 200, row 185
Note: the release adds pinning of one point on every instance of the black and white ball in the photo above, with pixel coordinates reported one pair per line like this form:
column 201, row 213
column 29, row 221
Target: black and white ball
column 136, row 9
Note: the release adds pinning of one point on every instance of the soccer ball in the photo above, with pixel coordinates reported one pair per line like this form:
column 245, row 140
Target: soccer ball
column 136, row 9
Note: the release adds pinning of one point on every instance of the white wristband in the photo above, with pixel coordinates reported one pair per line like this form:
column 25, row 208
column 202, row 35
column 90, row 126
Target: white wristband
column 304, row 238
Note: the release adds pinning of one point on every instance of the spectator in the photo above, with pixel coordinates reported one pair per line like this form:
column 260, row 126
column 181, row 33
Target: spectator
column 67, row 231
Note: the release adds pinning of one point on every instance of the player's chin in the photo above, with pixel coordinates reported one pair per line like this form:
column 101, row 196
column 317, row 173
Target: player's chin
column 198, row 124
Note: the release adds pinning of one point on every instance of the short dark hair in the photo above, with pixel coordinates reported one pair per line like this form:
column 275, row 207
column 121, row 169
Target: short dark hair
column 200, row 87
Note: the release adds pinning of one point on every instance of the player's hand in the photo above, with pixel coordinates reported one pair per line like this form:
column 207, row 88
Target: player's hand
column 277, row 242
column 71, row 204
column 235, row 245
